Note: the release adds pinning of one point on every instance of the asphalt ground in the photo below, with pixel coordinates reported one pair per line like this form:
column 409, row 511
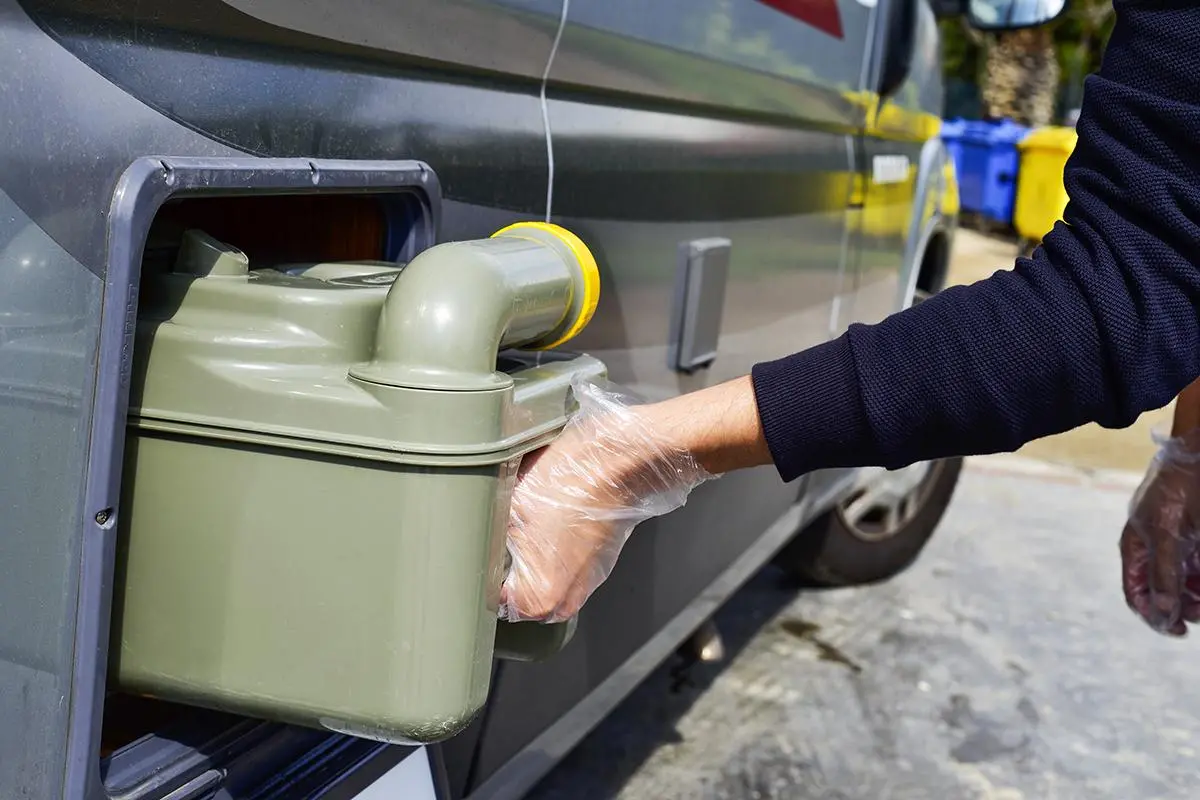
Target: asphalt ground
column 1002, row 665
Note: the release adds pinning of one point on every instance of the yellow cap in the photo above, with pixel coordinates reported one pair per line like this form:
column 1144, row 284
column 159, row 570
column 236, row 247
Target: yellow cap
column 587, row 268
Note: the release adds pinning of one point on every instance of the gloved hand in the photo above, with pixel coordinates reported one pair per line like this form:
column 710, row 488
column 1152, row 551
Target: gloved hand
column 1160, row 546
column 577, row 500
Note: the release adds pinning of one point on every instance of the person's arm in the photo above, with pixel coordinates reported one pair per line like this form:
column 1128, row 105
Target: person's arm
column 720, row 426
column 1101, row 324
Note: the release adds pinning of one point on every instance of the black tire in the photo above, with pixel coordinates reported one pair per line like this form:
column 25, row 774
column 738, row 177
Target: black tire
column 828, row 551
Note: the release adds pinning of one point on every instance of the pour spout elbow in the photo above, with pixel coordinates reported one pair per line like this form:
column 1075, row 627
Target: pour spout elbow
column 455, row 306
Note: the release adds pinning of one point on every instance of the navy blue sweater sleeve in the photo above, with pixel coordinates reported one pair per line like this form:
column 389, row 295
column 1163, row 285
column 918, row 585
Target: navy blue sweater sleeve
column 1101, row 324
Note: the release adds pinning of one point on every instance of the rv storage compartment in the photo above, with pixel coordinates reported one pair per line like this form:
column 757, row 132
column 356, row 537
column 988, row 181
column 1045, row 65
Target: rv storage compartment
column 318, row 471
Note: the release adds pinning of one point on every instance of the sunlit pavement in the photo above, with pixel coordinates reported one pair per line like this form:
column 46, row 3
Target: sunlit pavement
column 1002, row 665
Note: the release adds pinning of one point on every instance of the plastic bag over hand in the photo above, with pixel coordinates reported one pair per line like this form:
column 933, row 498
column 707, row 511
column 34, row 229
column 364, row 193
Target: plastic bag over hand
column 577, row 500
column 1160, row 545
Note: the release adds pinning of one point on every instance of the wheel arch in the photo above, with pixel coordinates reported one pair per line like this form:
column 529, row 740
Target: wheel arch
column 931, row 230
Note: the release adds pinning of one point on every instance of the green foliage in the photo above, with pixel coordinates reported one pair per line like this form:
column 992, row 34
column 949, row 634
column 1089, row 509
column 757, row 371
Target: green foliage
column 961, row 57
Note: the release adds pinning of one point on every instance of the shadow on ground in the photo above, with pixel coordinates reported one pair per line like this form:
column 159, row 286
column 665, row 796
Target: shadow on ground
column 646, row 721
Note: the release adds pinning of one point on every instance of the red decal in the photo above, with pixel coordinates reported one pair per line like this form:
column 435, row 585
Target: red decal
column 821, row 14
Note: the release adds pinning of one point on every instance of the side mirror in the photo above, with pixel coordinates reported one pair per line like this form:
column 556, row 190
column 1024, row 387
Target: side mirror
column 1010, row 15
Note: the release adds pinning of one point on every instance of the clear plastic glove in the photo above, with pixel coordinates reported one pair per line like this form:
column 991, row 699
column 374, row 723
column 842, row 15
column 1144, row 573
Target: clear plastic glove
column 577, row 500
column 1160, row 546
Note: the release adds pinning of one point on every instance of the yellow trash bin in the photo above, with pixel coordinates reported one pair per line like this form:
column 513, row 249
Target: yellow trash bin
column 1041, row 195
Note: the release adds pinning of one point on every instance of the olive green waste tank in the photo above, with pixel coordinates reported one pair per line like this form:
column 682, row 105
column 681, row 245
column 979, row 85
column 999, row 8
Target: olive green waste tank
column 318, row 471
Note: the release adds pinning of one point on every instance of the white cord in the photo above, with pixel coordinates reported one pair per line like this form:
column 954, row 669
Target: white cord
column 562, row 23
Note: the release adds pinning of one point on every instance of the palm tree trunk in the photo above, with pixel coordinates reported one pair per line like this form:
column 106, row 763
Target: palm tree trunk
column 1022, row 77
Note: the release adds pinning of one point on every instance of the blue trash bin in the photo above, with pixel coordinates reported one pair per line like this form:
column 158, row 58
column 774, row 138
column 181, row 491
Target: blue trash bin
column 987, row 175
